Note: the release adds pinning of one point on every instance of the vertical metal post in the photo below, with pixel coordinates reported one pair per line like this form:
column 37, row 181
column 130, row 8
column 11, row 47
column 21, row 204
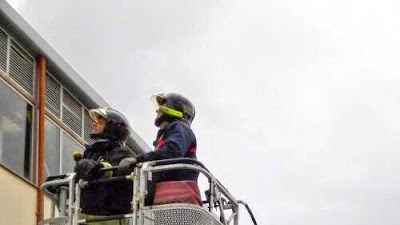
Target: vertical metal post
column 142, row 190
column 236, row 218
column 77, row 207
column 222, row 213
column 135, row 175
column 41, row 81
column 62, row 201
column 71, row 198
column 53, row 209
column 211, row 204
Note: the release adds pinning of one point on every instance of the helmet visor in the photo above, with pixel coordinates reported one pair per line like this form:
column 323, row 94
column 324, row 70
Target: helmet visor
column 95, row 113
column 158, row 100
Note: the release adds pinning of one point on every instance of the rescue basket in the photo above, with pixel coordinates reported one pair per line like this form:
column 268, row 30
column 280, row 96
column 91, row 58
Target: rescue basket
column 219, row 207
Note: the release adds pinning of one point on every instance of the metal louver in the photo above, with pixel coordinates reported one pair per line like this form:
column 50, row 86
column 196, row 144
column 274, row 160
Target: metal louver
column 53, row 96
column 3, row 51
column 21, row 68
column 72, row 113
column 87, row 127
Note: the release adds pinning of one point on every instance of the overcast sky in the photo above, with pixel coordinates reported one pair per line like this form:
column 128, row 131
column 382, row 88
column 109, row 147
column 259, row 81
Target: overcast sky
column 298, row 109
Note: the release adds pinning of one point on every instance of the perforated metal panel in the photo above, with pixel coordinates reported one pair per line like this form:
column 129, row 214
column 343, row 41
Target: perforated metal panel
column 72, row 113
column 21, row 68
column 72, row 122
column 73, row 105
column 3, row 51
column 55, row 221
column 182, row 215
column 87, row 129
column 53, row 95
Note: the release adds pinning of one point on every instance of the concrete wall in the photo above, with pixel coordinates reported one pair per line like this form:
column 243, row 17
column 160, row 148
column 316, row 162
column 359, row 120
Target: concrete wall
column 47, row 208
column 18, row 200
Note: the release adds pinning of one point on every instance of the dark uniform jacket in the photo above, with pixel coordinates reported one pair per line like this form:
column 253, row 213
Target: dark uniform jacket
column 176, row 140
column 107, row 198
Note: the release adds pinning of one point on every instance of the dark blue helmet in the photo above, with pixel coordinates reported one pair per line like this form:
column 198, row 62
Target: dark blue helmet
column 174, row 106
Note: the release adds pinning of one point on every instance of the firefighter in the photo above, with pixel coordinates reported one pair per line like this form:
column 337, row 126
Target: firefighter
column 175, row 139
column 110, row 130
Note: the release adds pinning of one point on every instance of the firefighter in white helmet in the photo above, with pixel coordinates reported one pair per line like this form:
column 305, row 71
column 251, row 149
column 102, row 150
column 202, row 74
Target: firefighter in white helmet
column 110, row 130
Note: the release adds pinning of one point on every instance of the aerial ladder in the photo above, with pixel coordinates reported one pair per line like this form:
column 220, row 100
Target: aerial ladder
column 219, row 207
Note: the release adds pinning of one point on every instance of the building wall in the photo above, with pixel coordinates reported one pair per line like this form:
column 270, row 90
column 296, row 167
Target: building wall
column 47, row 208
column 18, row 200
column 67, row 128
column 67, row 125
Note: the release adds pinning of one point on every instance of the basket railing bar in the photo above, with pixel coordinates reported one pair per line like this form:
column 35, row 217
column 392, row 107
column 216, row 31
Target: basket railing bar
column 233, row 205
column 211, row 203
column 249, row 211
column 221, row 210
column 195, row 168
column 142, row 184
column 62, row 201
column 45, row 185
column 77, row 208
column 175, row 161
column 227, row 206
column 71, row 197
column 233, row 215
column 109, row 179
column 134, row 202
column 139, row 176
column 53, row 209
column 183, row 160
column 105, row 218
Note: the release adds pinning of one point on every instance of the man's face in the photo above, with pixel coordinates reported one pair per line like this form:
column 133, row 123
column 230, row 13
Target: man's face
column 159, row 114
column 98, row 125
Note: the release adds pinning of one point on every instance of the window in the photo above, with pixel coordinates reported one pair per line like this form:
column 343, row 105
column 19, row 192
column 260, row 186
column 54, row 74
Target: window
column 72, row 113
column 58, row 150
column 68, row 108
column 22, row 68
column 15, row 132
column 53, row 95
column 87, row 127
column 3, row 50
column 52, row 149
column 68, row 147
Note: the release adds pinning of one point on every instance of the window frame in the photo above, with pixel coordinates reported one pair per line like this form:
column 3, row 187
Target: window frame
column 61, row 148
column 62, row 105
column 7, row 52
column 25, row 54
column 12, row 43
column 33, row 155
column 59, row 136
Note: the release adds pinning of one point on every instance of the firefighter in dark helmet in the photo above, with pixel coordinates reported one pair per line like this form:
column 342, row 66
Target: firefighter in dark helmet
column 110, row 130
column 175, row 139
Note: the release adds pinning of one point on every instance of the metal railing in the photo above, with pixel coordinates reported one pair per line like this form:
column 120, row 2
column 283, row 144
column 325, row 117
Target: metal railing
column 219, row 207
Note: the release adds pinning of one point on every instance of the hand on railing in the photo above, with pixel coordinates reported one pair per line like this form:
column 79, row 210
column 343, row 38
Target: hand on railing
column 126, row 165
column 88, row 169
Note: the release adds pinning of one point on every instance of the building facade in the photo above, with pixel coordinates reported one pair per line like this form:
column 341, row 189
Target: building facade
column 43, row 118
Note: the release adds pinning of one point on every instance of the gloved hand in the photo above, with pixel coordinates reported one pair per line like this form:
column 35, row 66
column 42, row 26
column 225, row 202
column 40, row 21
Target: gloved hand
column 126, row 165
column 88, row 169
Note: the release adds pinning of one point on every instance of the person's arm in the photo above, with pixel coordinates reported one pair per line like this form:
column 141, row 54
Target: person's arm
column 119, row 156
column 177, row 140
